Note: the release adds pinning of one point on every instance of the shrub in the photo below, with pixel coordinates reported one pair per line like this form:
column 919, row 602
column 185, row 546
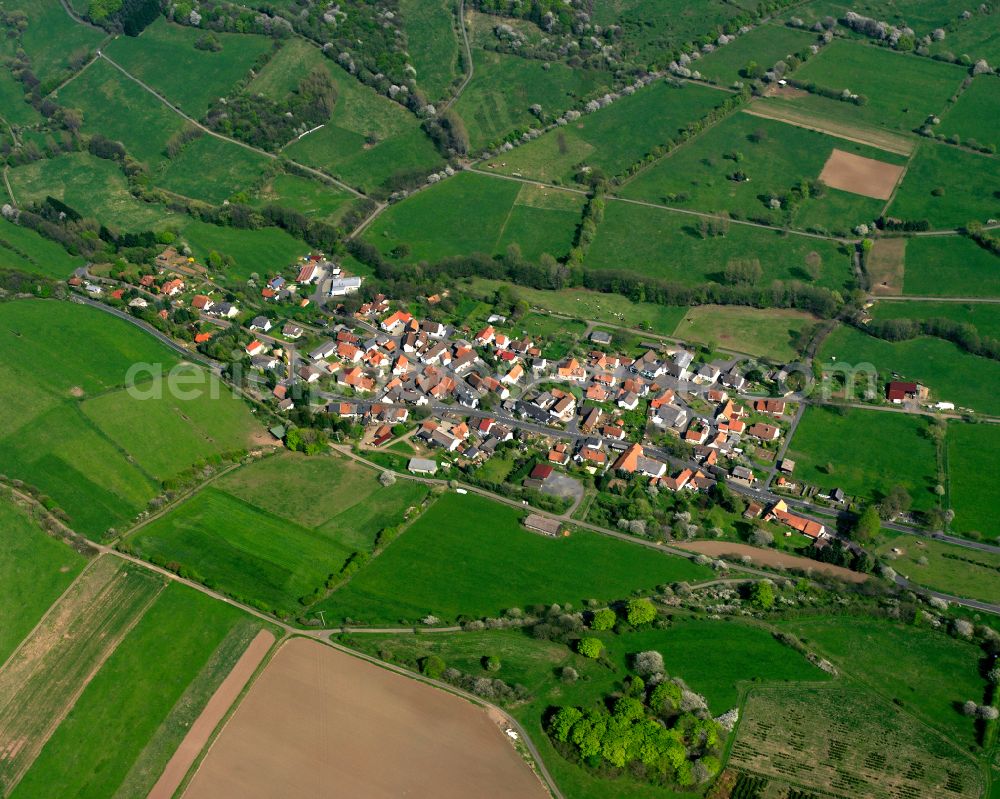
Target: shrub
column 590, row 647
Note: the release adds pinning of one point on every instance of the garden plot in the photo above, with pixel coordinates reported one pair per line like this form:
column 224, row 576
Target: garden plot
column 860, row 175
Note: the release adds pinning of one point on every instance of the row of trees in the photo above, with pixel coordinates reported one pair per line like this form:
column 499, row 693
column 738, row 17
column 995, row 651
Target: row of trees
column 964, row 334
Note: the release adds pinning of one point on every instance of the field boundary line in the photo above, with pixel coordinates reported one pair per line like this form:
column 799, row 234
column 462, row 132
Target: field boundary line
column 74, row 76
column 897, row 184
column 74, row 697
column 817, row 127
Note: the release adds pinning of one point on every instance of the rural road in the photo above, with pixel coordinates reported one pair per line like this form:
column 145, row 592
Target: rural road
column 468, row 57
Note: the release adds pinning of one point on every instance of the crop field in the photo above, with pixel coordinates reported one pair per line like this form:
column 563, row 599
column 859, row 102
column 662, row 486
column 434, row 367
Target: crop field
column 504, row 87
column 52, row 39
column 122, row 110
column 764, row 45
column 432, row 43
column 196, row 78
column 94, row 187
column 870, row 451
column 950, row 267
column 263, row 252
column 976, row 115
column 849, row 743
column 168, row 434
column 368, row 139
column 775, row 157
column 23, row 249
column 952, row 374
column 318, row 717
column 973, row 459
column 614, row 137
column 945, row 567
column 35, row 569
column 984, row 316
column 772, row 333
column 475, row 213
column 43, row 679
column 925, row 672
column 312, row 198
column 468, row 555
column 948, row 187
column 902, row 90
column 667, row 245
column 122, row 708
column 212, row 170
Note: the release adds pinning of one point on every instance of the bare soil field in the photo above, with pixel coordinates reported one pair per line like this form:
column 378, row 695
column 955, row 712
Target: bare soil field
column 884, row 140
column 41, row 681
column 319, row 722
column 211, row 715
column 770, row 557
column 860, row 175
column 886, row 266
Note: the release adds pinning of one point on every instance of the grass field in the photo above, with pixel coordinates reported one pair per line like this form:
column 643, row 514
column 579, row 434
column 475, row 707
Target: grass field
column 974, row 37
column 973, row 459
column 212, row 170
column 43, row 678
column 976, row 115
column 121, row 109
column 195, row 78
column 950, row 266
column 470, row 556
column 764, row 45
column 667, row 245
column 432, row 43
column 474, row 213
column 25, row 250
column 951, row 374
column 94, row 187
column 771, row 333
column 504, row 87
column 836, row 740
column 251, row 536
column 614, row 137
column 264, row 251
column 52, row 39
column 966, row 181
column 945, row 567
column 34, row 570
column 902, row 90
column 119, row 713
column 984, row 316
column 927, row 671
column 16, row 109
column 286, row 69
column 312, row 198
column 871, row 451
column 368, row 139
column 775, row 157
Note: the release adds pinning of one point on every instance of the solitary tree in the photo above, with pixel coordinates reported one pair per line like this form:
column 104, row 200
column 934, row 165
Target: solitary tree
column 649, row 662
column 867, row 526
column 604, row 619
column 639, row 612
column 590, row 647
column 762, row 595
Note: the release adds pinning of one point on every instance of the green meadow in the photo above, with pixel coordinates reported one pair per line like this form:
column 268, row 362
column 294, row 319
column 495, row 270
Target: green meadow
column 25, row 250
column 772, row 333
column 432, row 43
column 955, row 570
column 976, row 115
column 52, row 39
column 984, row 316
column 211, row 170
column 312, row 198
column 263, row 252
column 973, row 461
column 949, row 266
column 764, row 45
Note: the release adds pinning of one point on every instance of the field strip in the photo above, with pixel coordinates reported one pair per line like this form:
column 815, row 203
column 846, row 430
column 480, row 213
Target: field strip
column 42, row 681
column 213, row 713
column 771, row 558
column 877, row 139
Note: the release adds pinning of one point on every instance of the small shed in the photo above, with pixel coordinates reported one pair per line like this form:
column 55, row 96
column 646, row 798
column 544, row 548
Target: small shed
column 542, row 524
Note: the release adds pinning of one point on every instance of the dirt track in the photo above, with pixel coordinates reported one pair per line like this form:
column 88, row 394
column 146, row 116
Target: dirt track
column 883, row 140
column 210, row 716
column 859, row 175
column 320, row 723
column 770, row 557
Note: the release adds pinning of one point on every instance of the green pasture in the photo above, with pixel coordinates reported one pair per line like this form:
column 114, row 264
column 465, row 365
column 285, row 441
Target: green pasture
column 164, row 56
column 764, row 45
column 504, row 87
column 984, row 316
column 976, row 38
column 23, row 249
column 53, row 39
column 667, row 245
column 13, row 101
column 312, row 198
column 870, row 452
column 264, row 252
column 475, row 213
column 470, row 556
column 973, row 463
column 976, row 115
column 902, row 89
column 93, row 187
column 120, row 109
column 955, row 570
column 35, row 569
column 433, row 43
column 772, row 333
column 950, row 266
column 775, row 157
column 293, row 61
column 952, row 374
column 948, row 187
column 211, row 170
column 613, row 138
